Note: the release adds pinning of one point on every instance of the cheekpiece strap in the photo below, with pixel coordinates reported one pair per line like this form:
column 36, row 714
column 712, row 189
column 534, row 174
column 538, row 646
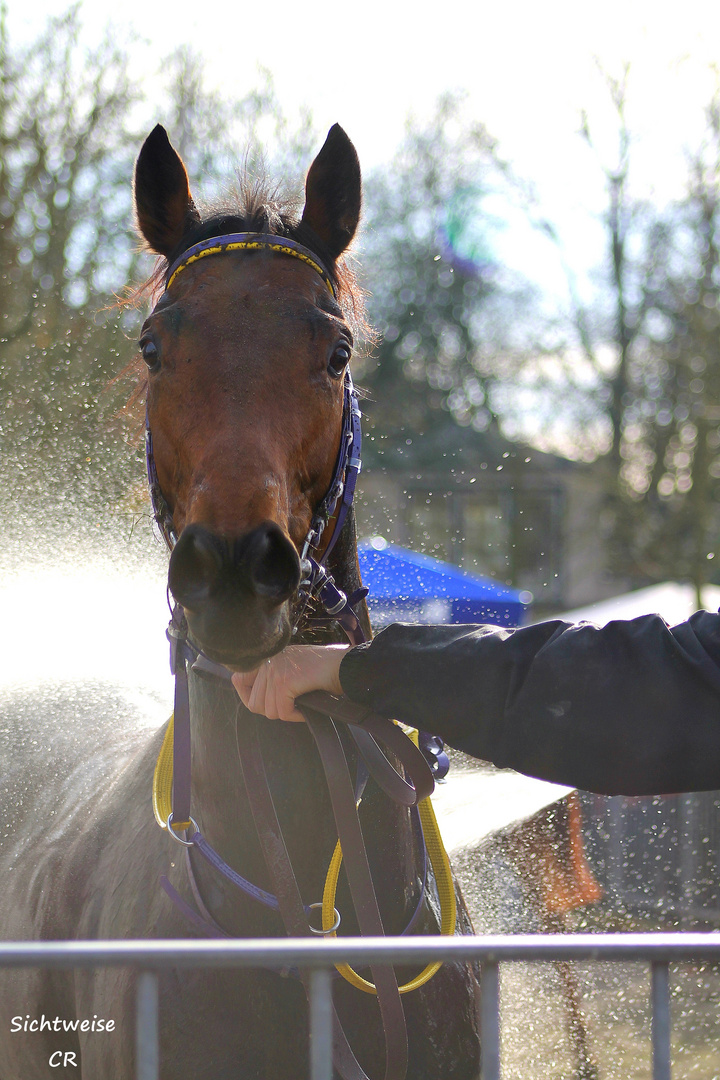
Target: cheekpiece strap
column 245, row 241
column 344, row 481
column 161, row 510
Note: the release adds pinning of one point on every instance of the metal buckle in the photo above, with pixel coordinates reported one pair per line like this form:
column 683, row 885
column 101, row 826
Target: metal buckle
column 185, row 843
column 341, row 602
column 332, row 929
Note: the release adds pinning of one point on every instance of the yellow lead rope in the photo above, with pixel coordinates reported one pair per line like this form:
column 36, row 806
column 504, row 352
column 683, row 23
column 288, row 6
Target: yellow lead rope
column 162, row 808
column 163, row 778
column 446, row 891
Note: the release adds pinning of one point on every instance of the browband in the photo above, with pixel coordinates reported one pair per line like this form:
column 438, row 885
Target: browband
column 245, row 241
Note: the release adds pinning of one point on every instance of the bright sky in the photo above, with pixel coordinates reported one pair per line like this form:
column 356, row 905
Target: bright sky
column 528, row 68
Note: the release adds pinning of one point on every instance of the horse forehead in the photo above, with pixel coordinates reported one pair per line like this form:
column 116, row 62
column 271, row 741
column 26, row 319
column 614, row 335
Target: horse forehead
column 244, row 331
column 257, row 291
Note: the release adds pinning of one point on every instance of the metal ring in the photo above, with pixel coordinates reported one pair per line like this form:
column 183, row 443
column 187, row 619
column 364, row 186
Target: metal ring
column 331, row 929
column 185, row 843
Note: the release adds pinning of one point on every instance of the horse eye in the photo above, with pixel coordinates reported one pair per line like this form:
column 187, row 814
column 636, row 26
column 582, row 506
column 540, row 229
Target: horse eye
column 148, row 350
column 339, row 359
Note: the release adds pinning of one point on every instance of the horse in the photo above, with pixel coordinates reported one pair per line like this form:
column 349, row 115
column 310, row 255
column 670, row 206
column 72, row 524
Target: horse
column 246, row 370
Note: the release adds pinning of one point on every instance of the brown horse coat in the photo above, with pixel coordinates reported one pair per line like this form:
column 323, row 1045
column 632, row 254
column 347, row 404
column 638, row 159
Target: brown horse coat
column 244, row 403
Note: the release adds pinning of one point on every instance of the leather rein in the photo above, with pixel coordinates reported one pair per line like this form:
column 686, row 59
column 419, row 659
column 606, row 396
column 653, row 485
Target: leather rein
column 322, row 711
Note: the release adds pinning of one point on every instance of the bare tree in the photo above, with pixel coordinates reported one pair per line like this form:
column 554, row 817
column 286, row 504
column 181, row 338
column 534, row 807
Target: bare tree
column 660, row 394
column 443, row 305
column 68, row 246
column 65, row 238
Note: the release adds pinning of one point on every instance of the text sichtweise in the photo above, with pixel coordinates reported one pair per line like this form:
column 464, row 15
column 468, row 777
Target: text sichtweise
column 58, row 1023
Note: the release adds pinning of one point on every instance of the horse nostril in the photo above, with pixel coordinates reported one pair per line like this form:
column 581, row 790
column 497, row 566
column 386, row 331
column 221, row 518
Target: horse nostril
column 209, row 572
column 272, row 563
column 196, row 566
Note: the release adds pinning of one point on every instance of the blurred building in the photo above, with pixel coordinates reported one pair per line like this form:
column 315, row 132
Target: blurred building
column 530, row 520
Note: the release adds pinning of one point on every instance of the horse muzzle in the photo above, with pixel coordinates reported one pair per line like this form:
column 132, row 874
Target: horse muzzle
column 236, row 591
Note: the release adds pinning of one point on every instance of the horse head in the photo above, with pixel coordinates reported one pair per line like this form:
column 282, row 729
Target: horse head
column 246, row 353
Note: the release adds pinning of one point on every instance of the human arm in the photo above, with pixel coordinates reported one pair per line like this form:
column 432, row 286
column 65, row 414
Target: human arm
column 629, row 708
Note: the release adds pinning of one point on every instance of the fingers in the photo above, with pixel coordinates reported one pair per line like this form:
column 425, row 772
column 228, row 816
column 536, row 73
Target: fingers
column 267, row 690
column 270, row 689
column 243, row 681
column 273, row 692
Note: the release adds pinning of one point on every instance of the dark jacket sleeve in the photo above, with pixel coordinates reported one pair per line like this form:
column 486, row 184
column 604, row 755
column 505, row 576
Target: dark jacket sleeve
column 630, row 708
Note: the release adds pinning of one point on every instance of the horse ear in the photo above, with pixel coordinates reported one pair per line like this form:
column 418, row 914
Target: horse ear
column 164, row 207
column 333, row 193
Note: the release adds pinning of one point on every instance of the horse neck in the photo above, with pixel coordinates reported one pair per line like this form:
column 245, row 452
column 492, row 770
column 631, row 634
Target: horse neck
column 221, row 728
column 221, row 725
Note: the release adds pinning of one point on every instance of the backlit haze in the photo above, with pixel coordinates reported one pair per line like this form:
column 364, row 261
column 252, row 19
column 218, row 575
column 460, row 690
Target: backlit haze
column 529, row 69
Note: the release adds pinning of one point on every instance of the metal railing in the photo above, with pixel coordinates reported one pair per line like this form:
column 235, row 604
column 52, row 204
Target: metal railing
column 319, row 956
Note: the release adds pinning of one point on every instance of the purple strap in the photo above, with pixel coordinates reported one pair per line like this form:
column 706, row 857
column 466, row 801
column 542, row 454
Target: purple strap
column 347, row 468
column 204, row 921
column 209, row 928
column 352, row 469
column 432, row 748
column 181, row 653
column 254, row 891
column 339, row 609
column 161, row 510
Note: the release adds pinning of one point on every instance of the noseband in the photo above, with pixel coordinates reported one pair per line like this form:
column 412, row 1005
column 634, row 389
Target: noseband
column 338, row 501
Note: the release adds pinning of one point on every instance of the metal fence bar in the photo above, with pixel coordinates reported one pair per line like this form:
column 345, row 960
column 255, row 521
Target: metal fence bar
column 660, row 1003
column 303, row 952
column 147, row 1041
column 321, row 1021
column 149, row 957
column 688, row 859
column 490, row 1021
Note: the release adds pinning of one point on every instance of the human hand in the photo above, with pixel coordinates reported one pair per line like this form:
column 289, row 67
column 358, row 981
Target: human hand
column 271, row 689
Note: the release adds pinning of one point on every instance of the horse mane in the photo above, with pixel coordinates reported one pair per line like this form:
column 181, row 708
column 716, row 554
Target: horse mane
column 255, row 205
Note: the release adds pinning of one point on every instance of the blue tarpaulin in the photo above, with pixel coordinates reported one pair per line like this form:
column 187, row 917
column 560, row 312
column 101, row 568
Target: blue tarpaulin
column 408, row 587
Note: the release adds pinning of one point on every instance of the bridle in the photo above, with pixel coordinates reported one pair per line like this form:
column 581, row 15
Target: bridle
column 335, row 506
column 172, row 785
